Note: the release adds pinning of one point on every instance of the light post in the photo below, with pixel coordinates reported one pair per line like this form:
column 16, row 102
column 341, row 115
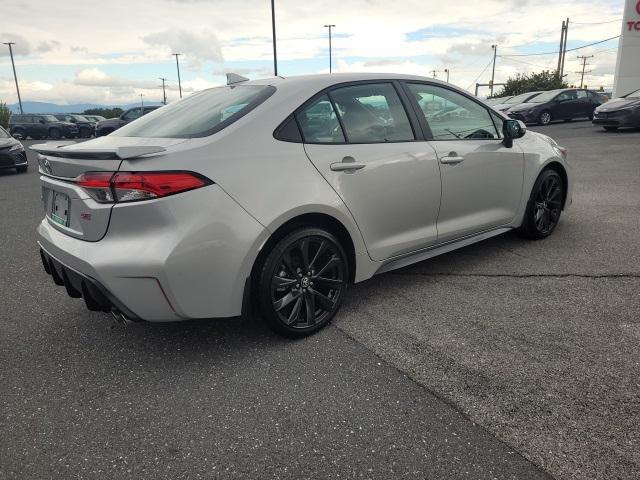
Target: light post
column 9, row 44
column 330, row 26
column 178, row 68
column 273, row 32
column 493, row 72
column 164, row 92
column 446, row 70
column 141, row 101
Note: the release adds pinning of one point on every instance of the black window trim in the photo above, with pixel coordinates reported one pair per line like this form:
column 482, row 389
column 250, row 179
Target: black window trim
column 413, row 119
column 423, row 120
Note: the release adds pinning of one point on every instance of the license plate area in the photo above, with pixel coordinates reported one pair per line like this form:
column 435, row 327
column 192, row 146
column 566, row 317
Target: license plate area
column 60, row 206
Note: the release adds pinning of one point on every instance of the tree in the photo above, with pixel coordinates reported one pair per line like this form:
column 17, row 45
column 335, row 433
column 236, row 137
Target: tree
column 523, row 83
column 104, row 112
column 5, row 113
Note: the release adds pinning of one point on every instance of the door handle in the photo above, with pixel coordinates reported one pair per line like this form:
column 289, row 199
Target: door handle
column 347, row 164
column 452, row 159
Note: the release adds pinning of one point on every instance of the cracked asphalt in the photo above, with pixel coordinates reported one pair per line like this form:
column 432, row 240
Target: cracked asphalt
column 508, row 359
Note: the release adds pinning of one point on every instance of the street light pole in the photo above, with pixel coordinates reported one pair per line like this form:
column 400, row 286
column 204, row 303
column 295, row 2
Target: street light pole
column 446, row 70
column 178, row 68
column 9, row 44
column 330, row 27
column 273, row 30
column 141, row 101
column 493, row 72
column 164, row 92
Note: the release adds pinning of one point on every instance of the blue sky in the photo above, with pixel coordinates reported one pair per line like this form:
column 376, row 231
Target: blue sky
column 66, row 53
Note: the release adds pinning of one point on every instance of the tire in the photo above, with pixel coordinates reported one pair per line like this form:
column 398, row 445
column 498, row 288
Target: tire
column 544, row 118
column 19, row 134
column 84, row 133
column 610, row 129
column 544, row 207
column 22, row 168
column 294, row 302
column 54, row 134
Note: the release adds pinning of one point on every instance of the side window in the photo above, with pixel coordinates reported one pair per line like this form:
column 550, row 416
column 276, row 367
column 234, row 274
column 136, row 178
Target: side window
column 372, row 113
column 582, row 94
column 132, row 114
column 451, row 115
column 319, row 122
column 564, row 96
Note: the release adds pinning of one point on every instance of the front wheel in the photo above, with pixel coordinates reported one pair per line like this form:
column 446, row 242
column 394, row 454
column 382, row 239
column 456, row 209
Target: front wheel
column 22, row 169
column 545, row 205
column 544, row 118
column 55, row 134
column 302, row 282
column 610, row 129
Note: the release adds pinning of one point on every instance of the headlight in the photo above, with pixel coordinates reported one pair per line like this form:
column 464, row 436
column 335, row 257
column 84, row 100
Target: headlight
column 16, row 148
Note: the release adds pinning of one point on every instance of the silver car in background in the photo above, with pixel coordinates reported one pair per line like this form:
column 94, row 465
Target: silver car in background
column 277, row 194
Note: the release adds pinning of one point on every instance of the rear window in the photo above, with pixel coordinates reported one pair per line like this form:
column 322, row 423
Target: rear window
column 200, row 114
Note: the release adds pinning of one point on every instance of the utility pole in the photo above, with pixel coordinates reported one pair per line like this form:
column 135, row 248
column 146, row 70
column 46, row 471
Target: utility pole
column 584, row 64
column 178, row 68
column 164, row 91
column 493, row 72
column 434, row 73
column 330, row 27
column 564, row 47
column 141, row 101
column 446, row 70
column 562, row 33
column 9, row 44
column 273, row 29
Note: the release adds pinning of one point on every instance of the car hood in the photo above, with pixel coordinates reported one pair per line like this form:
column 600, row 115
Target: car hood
column 8, row 142
column 618, row 103
column 523, row 106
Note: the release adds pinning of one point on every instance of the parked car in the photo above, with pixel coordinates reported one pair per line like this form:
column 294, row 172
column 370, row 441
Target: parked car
column 12, row 154
column 40, row 126
column 563, row 104
column 105, row 127
column 619, row 112
column 515, row 101
column 85, row 126
column 94, row 118
column 183, row 214
column 497, row 100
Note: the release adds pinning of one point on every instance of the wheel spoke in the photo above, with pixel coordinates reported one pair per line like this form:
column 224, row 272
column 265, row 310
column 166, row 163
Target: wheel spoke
column 286, row 300
column 295, row 312
column 286, row 260
column 324, row 301
column 333, row 261
column 310, row 304
column 282, row 282
column 321, row 249
column 329, row 282
column 304, row 250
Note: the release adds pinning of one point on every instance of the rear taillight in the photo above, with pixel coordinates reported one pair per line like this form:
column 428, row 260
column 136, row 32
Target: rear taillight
column 110, row 187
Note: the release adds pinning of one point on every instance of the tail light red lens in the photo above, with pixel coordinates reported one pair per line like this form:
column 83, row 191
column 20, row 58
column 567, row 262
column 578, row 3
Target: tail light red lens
column 109, row 187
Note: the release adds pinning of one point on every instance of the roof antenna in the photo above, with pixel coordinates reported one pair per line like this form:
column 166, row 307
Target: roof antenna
column 235, row 78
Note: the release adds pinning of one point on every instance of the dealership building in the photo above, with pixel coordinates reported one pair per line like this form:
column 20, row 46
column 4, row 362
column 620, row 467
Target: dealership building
column 627, row 77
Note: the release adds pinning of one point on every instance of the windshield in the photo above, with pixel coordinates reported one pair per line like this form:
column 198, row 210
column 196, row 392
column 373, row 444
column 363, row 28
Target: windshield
column 200, row 114
column 545, row 96
column 635, row 94
column 49, row 118
column 524, row 97
column 3, row 133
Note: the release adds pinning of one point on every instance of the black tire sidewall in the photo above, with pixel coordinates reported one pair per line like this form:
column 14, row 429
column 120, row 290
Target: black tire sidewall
column 58, row 133
column 266, row 270
column 528, row 227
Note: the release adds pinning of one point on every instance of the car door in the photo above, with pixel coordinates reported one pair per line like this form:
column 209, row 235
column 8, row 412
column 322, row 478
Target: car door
column 585, row 102
column 566, row 106
column 38, row 127
column 360, row 138
column 482, row 179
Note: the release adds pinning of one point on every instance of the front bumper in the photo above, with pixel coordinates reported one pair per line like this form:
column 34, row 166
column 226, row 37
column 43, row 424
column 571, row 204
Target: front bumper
column 12, row 159
column 619, row 118
column 523, row 116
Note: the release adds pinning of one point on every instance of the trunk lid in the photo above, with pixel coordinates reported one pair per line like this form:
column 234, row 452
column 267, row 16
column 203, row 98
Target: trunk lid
column 68, row 207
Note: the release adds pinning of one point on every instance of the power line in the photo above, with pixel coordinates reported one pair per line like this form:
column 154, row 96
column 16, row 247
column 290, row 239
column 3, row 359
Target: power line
column 598, row 23
column 482, row 72
column 557, row 51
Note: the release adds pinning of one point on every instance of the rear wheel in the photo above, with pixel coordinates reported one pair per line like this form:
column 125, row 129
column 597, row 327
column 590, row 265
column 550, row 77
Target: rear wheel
column 544, row 118
column 55, row 134
column 84, row 133
column 544, row 207
column 21, row 169
column 19, row 134
column 302, row 281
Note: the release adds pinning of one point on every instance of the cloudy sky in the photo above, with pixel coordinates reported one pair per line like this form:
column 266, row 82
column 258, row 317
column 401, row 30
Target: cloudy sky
column 109, row 52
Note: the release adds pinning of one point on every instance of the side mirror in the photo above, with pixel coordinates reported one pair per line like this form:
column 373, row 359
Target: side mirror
column 512, row 129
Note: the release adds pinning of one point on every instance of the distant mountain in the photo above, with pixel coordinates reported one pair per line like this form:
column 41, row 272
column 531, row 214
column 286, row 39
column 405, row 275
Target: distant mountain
column 44, row 107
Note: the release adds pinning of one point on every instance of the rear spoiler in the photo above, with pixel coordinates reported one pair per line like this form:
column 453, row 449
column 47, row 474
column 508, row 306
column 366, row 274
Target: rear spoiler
column 57, row 150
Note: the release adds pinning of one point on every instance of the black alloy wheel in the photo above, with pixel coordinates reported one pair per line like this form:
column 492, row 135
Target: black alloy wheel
column 302, row 282
column 55, row 134
column 544, row 118
column 545, row 206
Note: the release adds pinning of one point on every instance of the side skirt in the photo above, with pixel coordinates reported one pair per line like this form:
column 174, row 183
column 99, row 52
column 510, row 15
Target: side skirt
column 436, row 250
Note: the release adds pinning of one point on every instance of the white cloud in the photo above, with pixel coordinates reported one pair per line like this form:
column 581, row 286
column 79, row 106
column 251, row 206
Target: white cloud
column 196, row 47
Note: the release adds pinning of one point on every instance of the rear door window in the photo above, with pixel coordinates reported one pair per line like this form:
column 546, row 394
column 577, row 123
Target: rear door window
column 319, row 122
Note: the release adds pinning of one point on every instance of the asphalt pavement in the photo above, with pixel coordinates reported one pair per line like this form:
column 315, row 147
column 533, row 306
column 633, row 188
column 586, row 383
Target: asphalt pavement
column 507, row 359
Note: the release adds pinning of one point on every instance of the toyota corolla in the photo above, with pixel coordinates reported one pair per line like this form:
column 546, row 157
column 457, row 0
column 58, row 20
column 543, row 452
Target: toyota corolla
column 272, row 196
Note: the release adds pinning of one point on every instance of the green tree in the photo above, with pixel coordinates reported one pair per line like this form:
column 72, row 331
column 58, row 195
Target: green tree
column 532, row 82
column 104, row 112
column 5, row 113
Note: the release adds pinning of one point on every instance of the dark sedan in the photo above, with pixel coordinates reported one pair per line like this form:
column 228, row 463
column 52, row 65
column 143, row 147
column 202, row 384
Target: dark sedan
column 564, row 104
column 105, row 127
column 12, row 153
column 619, row 112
